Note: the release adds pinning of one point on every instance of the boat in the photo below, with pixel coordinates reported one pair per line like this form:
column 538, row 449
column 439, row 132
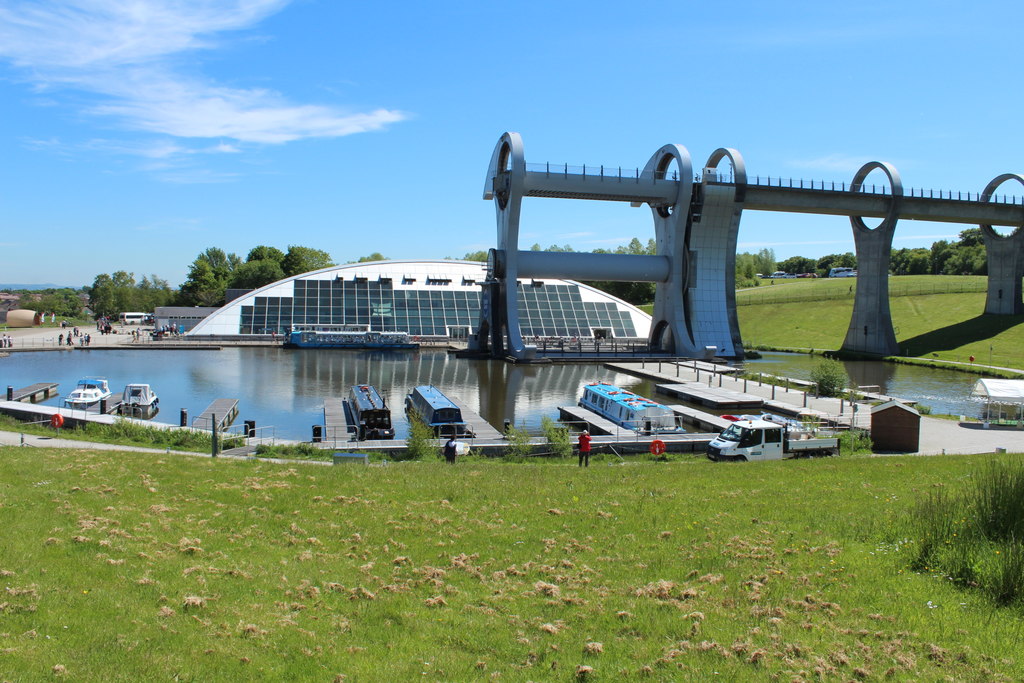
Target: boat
column 437, row 411
column 367, row 414
column 629, row 410
column 346, row 337
column 139, row 400
column 87, row 393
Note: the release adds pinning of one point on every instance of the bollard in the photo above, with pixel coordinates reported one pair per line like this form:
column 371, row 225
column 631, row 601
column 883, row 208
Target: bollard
column 103, row 406
column 659, row 366
column 773, row 392
column 805, row 399
column 840, row 405
column 760, row 376
column 183, row 422
column 10, row 393
column 719, row 380
column 677, row 369
column 744, row 385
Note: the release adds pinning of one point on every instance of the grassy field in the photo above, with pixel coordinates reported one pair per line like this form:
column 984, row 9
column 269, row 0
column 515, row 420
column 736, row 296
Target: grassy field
column 119, row 567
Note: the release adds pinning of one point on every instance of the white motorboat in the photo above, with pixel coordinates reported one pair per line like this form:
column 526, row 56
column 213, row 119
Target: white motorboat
column 88, row 392
column 139, row 400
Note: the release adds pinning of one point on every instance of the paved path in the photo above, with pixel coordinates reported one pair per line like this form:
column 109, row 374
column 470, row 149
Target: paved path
column 937, row 435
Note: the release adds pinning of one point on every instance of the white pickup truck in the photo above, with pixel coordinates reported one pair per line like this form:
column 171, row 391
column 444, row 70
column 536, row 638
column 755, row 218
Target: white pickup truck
column 764, row 440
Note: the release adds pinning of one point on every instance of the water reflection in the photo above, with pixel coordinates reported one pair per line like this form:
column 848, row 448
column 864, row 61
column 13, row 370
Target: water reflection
column 944, row 391
column 287, row 388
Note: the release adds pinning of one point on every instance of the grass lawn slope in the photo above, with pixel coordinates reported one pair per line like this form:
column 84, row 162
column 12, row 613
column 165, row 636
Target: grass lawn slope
column 122, row 567
column 931, row 319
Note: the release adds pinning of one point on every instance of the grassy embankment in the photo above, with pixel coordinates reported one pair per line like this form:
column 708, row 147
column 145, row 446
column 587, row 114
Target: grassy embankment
column 124, row 433
column 116, row 565
column 936, row 317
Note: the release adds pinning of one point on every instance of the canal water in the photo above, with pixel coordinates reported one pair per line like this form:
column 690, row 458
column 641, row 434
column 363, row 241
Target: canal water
column 946, row 392
column 284, row 390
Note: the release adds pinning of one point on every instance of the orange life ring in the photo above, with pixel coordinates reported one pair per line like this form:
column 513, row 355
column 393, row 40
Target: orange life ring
column 56, row 420
column 657, row 447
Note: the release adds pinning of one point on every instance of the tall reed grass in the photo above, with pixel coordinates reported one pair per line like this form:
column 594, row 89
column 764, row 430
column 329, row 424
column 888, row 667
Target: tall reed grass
column 975, row 536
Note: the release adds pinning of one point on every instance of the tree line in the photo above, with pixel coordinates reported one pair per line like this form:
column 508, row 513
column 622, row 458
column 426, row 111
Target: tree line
column 214, row 271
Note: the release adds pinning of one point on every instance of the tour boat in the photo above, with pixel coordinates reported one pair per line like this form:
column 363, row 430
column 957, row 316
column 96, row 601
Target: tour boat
column 629, row 410
column 345, row 337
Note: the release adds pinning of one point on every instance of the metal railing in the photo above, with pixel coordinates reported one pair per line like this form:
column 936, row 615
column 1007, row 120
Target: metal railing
column 723, row 177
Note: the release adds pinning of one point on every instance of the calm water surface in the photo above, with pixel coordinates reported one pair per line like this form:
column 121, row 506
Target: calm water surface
column 944, row 391
column 286, row 389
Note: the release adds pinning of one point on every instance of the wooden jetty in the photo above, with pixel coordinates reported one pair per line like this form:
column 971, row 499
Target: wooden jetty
column 336, row 423
column 226, row 410
column 481, row 427
column 594, row 422
column 716, row 397
column 34, row 393
column 700, row 419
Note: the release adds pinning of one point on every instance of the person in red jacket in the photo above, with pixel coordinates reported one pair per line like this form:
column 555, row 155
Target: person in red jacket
column 584, row 446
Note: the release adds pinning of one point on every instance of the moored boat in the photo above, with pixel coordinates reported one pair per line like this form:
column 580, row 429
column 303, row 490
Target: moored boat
column 629, row 410
column 346, row 337
column 88, row 392
column 139, row 400
column 368, row 414
column 437, row 411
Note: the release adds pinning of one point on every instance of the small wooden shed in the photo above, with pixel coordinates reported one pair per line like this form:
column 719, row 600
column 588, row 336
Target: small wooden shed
column 895, row 427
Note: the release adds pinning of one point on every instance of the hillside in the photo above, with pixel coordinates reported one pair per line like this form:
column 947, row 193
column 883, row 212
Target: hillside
column 220, row 570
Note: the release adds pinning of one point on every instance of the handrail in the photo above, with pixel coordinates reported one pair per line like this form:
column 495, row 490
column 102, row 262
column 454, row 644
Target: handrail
column 620, row 174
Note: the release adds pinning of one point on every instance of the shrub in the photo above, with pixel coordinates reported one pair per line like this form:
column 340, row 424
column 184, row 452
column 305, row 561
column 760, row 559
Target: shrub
column 559, row 439
column 518, row 443
column 419, row 445
column 855, row 442
column 830, row 377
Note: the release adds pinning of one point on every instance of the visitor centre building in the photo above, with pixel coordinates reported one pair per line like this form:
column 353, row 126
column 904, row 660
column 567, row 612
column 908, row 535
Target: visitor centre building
column 427, row 299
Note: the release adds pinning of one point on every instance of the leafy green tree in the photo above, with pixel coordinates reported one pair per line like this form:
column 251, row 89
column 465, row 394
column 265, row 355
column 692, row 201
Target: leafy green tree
column 765, row 261
column 375, row 256
column 797, row 265
column 202, row 287
column 830, row 376
column 476, row 256
column 101, row 296
column 301, row 260
column 255, row 274
column 264, row 253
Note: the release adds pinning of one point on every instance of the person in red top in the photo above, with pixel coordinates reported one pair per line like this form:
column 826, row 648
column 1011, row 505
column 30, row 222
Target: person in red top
column 584, row 445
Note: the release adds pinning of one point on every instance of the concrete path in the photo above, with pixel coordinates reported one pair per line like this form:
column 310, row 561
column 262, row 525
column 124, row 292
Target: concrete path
column 937, row 435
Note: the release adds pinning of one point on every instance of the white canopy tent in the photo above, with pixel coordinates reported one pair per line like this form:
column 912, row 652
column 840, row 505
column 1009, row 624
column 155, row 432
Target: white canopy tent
column 998, row 393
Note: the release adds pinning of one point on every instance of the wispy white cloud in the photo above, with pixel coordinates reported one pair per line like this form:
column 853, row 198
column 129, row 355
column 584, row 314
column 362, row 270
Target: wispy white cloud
column 124, row 53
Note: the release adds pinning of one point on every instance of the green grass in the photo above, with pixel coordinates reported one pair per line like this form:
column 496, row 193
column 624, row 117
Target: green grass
column 947, row 327
column 194, row 569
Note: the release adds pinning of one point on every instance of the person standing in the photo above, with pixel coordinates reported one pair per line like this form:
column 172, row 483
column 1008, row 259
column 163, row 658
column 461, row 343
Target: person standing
column 450, row 448
column 584, row 447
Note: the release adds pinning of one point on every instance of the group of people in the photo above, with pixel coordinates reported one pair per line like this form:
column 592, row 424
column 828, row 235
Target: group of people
column 6, row 341
column 83, row 339
column 451, row 448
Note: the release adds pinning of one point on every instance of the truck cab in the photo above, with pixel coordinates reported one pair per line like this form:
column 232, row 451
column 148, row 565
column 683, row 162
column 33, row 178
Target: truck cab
column 748, row 440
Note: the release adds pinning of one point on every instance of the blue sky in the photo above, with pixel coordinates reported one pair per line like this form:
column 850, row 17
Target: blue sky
column 137, row 133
